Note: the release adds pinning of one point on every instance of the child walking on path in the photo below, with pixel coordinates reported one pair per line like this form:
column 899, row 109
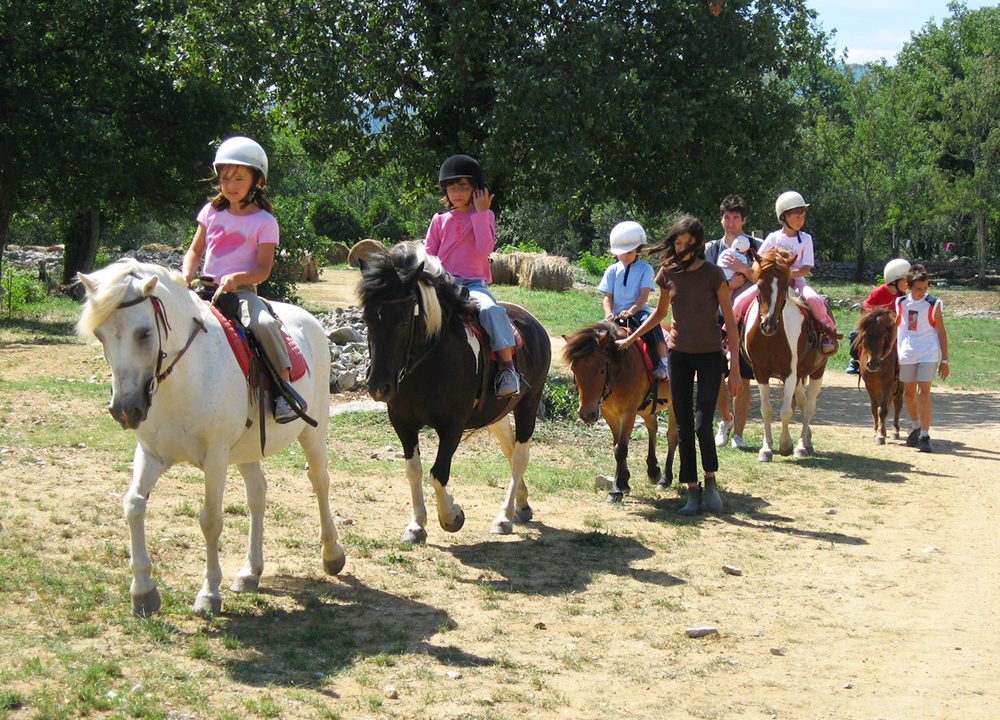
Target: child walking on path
column 462, row 238
column 734, row 253
column 884, row 296
column 237, row 236
column 697, row 290
column 790, row 208
column 922, row 344
column 626, row 285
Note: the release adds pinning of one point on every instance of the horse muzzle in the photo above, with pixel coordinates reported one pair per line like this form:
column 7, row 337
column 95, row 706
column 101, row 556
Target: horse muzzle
column 131, row 410
column 589, row 416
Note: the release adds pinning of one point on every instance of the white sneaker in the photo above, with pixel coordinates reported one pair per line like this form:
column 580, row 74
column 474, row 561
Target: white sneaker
column 738, row 442
column 722, row 437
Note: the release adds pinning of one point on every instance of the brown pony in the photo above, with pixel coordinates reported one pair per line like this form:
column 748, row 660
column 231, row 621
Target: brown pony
column 876, row 349
column 780, row 345
column 615, row 384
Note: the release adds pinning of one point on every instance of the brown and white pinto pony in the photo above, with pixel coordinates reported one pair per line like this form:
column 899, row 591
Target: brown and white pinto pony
column 876, row 349
column 615, row 384
column 778, row 346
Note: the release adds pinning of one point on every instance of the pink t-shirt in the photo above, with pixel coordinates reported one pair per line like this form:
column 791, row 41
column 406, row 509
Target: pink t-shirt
column 231, row 240
column 800, row 245
column 463, row 241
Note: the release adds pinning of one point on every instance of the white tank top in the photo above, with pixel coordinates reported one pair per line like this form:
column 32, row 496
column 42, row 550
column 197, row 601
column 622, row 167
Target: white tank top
column 916, row 330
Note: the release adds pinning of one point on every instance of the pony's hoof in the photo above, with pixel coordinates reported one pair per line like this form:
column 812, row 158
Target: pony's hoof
column 664, row 482
column 524, row 514
column 146, row 604
column 785, row 452
column 245, row 583
column 880, row 440
column 333, row 567
column 654, row 475
column 456, row 523
column 415, row 536
column 615, row 497
column 764, row 456
column 208, row 604
column 503, row 527
column 801, row 453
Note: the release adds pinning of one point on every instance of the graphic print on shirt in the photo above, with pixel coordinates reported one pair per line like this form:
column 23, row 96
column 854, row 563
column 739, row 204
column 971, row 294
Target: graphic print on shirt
column 912, row 318
column 222, row 242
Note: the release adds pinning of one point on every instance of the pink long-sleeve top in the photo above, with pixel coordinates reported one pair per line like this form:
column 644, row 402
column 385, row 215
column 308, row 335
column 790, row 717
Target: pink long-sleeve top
column 463, row 241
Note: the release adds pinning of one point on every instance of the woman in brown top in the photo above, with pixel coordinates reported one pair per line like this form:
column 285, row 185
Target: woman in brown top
column 697, row 290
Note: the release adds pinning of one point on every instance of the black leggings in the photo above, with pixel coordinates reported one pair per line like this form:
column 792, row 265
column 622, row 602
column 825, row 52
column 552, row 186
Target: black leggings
column 694, row 415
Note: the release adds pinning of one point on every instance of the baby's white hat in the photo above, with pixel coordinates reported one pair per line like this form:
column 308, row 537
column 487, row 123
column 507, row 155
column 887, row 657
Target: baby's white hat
column 741, row 244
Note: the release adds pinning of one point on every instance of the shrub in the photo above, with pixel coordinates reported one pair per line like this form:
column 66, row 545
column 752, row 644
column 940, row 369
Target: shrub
column 594, row 264
column 334, row 218
column 560, row 399
column 19, row 288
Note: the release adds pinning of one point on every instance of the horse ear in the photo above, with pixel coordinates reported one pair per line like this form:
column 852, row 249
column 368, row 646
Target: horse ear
column 149, row 286
column 89, row 284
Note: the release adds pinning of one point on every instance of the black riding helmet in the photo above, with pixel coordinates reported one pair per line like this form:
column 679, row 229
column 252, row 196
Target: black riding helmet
column 460, row 166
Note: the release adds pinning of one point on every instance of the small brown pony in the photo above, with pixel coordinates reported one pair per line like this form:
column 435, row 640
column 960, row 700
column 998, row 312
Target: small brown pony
column 615, row 385
column 876, row 350
column 780, row 344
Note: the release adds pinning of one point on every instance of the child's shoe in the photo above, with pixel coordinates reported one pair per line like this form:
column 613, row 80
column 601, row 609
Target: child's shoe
column 913, row 439
column 508, row 383
column 853, row 367
column 828, row 344
column 283, row 412
column 924, row 444
column 660, row 371
column 722, row 437
column 739, row 443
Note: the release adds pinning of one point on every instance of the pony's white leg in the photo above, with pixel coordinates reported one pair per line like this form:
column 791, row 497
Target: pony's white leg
column 450, row 514
column 765, row 453
column 515, row 505
column 785, row 443
column 209, row 598
column 313, row 441
column 808, row 412
column 146, row 470
column 416, row 529
column 248, row 578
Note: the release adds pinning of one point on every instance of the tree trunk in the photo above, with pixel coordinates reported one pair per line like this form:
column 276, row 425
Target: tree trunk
column 5, row 214
column 81, row 244
column 981, row 238
column 859, row 245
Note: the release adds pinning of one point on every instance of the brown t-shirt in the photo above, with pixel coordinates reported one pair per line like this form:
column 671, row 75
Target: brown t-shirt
column 694, row 303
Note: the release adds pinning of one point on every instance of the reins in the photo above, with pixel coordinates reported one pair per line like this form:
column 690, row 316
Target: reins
column 162, row 333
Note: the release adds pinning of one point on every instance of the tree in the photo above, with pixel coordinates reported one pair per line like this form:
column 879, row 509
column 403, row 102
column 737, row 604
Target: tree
column 96, row 115
column 954, row 68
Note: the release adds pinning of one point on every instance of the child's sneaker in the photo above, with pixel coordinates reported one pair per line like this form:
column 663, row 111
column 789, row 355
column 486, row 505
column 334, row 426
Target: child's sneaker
column 828, row 345
column 924, row 444
column 660, row 371
column 853, row 367
column 722, row 437
column 739, row 443
column 283, row 412
column 508, row 383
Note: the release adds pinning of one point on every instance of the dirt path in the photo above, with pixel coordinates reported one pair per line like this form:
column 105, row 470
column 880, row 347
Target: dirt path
column 867, row 589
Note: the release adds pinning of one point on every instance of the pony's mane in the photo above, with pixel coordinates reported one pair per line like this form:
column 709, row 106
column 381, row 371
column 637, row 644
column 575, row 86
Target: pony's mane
column 776, row 260
column 872, row 319
column 584, row 343
column 109, row 287
column 392, row 274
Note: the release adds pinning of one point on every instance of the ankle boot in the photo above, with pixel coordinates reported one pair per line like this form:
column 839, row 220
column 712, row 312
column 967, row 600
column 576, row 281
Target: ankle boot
column 693, row 506
column 711, row 499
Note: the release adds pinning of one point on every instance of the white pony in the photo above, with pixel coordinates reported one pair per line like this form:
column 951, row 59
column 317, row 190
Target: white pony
column 176, row 383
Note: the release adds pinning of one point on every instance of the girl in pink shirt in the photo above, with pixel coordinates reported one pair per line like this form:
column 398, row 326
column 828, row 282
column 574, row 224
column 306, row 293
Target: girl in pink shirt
column 236, row 237
column 462, row 238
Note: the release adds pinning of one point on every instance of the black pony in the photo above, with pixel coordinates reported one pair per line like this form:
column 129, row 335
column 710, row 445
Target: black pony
column 433, row 370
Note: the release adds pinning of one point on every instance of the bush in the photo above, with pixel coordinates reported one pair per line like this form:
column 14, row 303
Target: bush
column 560, row 399
column 333, row 218
column 594, row 264
column 19, row 288
column 536, row 227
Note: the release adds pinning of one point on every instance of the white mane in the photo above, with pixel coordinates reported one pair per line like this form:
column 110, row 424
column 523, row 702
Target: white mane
column 106, row 289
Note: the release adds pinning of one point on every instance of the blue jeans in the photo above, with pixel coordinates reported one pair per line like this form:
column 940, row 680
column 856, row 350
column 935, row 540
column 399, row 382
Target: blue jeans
column 492, row 317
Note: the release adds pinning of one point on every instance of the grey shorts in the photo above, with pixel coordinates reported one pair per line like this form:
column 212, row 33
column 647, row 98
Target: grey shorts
column 918, row 372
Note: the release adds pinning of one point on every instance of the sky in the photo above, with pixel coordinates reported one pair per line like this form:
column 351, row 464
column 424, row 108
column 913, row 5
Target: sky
column 873, row 29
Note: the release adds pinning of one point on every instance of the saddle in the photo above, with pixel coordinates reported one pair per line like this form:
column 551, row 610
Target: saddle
column 650, row 358
column 250, row 355
column 488, row 370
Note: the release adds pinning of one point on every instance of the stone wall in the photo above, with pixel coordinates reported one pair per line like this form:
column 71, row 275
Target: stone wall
column 957, row 268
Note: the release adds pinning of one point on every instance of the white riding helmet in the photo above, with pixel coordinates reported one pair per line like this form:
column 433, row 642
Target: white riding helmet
column 627, row 236
column 895, row 270
column 788, row 201
column 241, row 150
column 741, row 244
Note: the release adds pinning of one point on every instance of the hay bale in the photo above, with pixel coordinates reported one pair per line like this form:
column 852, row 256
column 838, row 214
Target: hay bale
column 362, row 249
column 547, row 272
column 156, row 248
column 335, row 253
column 502, row 269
